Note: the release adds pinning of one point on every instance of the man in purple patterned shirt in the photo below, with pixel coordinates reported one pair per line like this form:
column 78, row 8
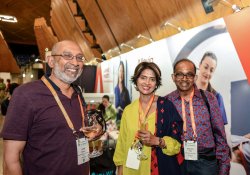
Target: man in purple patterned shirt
column 205, row 148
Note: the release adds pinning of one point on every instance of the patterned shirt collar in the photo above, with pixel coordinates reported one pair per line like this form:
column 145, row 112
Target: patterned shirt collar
column 176, row 95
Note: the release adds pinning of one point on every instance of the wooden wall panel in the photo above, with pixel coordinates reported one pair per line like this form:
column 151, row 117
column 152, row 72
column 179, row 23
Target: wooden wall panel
column 66, row 27
column 7, row 61
column 128, row 18
column 155, row 13
column 44, row 36
column 26, row 11
column 97, row 24
column 124, row 18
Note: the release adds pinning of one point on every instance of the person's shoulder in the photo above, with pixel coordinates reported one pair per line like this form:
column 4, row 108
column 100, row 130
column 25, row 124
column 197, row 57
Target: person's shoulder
column 134, row 104
column 218, row 96
column 166, row 106
column 165, row 101
column 30, row 87
column 211, row 98
column 162, row 99
column 209, row 95
column 112, row 107
column 171, row 95
column 116, row 88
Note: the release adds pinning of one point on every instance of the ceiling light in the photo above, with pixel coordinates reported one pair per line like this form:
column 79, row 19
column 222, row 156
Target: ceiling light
column 98, row 60
column 126, row 45
column 7, row 18
column 110, row 52
column 144, row 37
column 39, row 60
column 117, row 51
column 180, row 29
column 234, row 7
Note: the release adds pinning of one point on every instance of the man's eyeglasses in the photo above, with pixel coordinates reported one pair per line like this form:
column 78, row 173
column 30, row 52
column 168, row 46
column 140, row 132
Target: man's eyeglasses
column 181, row 75
column 69, row 56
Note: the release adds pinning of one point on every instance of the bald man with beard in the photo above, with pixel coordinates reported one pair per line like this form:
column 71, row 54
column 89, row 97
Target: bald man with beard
column 44, row 122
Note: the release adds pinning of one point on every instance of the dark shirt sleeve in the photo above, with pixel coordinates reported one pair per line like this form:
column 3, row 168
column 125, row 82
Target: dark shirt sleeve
column 4, row 106
column 222, row 148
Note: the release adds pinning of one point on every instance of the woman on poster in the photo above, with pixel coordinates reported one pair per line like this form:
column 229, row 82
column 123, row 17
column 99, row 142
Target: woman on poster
column 122, row 98
column 207, row 68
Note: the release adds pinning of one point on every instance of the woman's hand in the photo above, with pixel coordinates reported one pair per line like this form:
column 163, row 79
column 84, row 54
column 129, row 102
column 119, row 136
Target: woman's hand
column 147, row 138
column 119, row 171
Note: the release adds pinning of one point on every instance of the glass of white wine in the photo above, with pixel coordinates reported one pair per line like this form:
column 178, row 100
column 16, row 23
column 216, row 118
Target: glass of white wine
column 90, row 129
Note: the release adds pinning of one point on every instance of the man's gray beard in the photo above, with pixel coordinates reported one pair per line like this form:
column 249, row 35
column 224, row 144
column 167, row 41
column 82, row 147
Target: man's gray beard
column 63, row 76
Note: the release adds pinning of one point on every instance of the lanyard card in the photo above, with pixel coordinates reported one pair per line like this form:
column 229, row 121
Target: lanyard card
column 132, row 160
column 190, row 150
column 82, row 145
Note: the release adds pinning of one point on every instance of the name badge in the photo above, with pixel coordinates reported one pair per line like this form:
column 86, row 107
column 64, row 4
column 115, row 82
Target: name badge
column 190, row 150
column 132, row 160
column 82, row 145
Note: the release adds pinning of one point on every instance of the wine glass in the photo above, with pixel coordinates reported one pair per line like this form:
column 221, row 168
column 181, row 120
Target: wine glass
column 138, row 145
column 90, row 129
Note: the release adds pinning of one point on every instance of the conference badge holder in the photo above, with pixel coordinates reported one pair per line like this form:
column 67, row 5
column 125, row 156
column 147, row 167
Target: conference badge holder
column 132, row 160
column 82, row 145
column 190, row 150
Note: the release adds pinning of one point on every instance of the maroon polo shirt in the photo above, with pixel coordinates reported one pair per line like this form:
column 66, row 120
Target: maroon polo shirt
column 34, row 116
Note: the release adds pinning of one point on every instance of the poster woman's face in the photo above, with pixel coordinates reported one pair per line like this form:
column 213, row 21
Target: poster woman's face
column 121, row 73
column 207, row 68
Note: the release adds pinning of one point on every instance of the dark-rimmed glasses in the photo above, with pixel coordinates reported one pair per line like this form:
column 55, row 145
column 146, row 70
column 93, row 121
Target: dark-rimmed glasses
column 69, row 56
column 180, row 75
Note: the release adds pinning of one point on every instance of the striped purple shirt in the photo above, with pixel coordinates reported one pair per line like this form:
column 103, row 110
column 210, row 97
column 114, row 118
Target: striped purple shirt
column 205, row 136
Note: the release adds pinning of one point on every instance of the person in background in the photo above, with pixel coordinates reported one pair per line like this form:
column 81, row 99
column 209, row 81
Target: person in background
column 110, row 112
column 46, row 120
column 2, row 90
column 207, row 68
column 5, row 103
column 205, row 147
column 7, row 85
column 122, row 98
column 2, row 84
column 101, row 108
column 151, row 128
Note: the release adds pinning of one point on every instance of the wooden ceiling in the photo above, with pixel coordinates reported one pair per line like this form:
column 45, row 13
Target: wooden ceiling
column 113, row 22
column 25, row 11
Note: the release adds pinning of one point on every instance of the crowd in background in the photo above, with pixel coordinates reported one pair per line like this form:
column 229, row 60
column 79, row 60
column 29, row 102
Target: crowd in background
column 6, row 91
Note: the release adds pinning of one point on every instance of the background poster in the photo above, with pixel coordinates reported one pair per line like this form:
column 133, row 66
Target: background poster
column 213, row 37
column 192, row 44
